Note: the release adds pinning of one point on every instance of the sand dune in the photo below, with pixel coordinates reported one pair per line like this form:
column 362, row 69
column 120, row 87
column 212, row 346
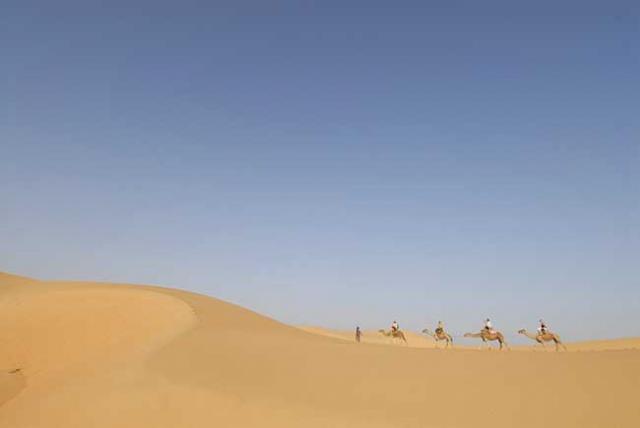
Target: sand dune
column 100, row 355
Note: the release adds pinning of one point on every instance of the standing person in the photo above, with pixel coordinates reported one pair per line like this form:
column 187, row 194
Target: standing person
column 358, row 334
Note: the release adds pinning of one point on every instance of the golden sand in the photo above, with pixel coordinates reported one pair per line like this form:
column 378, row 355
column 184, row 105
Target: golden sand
column 100, row 355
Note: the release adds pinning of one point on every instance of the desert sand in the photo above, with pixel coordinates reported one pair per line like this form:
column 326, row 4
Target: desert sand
column 80, row 354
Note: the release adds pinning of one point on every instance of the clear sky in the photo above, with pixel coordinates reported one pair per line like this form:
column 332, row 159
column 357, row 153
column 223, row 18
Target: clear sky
column 331, row 162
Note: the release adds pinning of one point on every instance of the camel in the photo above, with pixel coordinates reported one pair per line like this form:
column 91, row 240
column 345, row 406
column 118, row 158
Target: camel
column 487, row 335
column 440, row 335
column 546, row 337
column 398, row 334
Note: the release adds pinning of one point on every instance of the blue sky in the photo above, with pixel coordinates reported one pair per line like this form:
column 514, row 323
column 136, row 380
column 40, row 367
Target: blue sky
column 332, row 163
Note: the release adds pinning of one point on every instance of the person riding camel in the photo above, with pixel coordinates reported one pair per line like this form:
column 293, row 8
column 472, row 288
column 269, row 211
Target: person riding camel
column 487, row 325
column 395, row 327
column 440, row 327
column 543, row 328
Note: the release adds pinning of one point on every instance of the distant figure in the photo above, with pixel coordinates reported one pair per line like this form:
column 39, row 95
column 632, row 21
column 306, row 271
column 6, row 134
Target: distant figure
column 543, row 328
column 395, row 327
column 487, row 325
column 440, row 328
column 358, row 334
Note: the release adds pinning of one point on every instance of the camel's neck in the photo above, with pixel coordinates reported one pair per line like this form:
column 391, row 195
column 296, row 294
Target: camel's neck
column 529, row 335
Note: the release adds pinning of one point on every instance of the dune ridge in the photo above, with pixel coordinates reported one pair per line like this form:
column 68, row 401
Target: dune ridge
column 101, row 355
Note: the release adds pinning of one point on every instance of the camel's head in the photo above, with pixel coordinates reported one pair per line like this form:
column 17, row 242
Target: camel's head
column 522, row 331
column 426, row 330
column 467, row 335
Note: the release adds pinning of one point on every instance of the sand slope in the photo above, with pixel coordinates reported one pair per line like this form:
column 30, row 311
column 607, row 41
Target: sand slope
column 98, row 355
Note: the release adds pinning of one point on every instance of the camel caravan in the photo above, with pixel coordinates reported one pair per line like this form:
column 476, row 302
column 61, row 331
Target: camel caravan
column 487, row 334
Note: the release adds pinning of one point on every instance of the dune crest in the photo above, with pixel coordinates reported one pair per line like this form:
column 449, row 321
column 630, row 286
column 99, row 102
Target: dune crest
column 54, row 333
column 51, row 330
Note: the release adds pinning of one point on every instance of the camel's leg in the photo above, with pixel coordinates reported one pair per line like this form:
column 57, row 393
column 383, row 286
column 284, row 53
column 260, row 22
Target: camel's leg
column 535, row 345
column 503, row 344
column 560, row 344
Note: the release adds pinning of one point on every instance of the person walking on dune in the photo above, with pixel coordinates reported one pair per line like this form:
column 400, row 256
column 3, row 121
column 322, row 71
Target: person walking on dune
column 358, row 334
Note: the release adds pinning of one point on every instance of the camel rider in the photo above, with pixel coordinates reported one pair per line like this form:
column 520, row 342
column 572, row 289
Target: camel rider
column 394, row 327
column 543, row 328
column 487, row 325
column 440, row 327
